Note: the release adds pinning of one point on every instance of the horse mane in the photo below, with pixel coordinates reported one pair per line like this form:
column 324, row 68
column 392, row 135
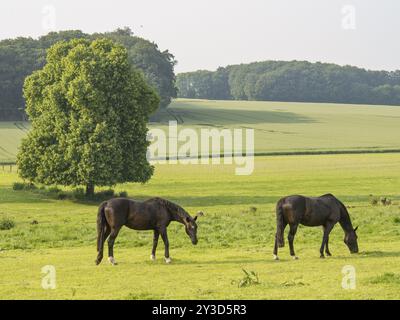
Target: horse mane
column 173, row 208
column 345, row 220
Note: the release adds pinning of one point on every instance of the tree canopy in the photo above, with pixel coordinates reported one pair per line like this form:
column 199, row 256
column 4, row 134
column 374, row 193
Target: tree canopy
column 89, row 108
column 292, row 81
column 20, row 57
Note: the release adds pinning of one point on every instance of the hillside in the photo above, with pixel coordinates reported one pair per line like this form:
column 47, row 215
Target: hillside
column 285, row 127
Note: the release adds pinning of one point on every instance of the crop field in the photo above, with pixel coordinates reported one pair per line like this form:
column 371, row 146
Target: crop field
column 290, row 127
column 235, row 234
column 279, row 127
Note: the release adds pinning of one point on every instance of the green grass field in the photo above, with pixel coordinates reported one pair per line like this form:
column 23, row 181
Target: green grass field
column 285, row 127
column 231, row 236
column 290, row 127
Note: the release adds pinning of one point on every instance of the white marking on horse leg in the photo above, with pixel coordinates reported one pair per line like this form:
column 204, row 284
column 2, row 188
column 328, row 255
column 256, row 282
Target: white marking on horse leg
column 295, row 257
column 112, row 261
column 276, row 257
column 153, row 257
column 168, row 260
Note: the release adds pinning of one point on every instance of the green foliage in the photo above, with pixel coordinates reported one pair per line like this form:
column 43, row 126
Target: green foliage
column 250, row 278
column 20, row 57
column 23, row 186
column 292, row 81
column 88, row 108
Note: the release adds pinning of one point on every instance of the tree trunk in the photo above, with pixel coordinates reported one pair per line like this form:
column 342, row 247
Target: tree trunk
column 90, row 190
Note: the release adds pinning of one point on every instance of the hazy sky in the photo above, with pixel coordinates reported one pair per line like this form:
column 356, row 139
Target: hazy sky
column 205, row 34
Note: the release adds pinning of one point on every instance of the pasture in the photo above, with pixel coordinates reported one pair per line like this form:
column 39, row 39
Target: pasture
column 236, row 233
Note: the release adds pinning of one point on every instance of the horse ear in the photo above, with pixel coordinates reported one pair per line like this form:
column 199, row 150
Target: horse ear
column 355, row 229
column 195, row 218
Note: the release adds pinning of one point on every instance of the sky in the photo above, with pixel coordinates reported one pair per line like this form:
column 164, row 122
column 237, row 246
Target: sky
column 206, row 34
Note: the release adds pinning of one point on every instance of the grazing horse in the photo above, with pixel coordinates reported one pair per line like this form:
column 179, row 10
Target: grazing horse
column 153, row 214
column 323, row 211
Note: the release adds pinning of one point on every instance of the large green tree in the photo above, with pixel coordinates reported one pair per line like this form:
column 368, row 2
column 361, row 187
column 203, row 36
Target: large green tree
column 89, row 108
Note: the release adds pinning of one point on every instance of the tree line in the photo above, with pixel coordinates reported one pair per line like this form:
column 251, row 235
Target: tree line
column 292, row 81
column 21, row 56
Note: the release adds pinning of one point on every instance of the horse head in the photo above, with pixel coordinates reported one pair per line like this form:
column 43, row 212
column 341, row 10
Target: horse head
column 191, row 227
column 350, row 239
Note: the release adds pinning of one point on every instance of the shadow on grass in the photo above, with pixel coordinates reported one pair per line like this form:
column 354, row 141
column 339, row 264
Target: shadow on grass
column 379, row 254
column 194, row 114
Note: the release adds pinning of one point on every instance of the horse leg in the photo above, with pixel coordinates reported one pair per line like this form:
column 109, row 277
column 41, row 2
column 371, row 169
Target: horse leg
column 111, row 240
column 292, row 233
column 276, row 244
column 328, row 253
column 155, row 242
column 101, row 244
column 327, row 230
column 164, row 236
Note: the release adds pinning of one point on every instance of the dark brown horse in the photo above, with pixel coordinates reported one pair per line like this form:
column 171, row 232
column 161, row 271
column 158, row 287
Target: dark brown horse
column 153, row 214
column 323, row 211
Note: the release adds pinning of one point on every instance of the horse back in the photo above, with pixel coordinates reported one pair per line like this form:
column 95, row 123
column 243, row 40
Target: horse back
column 310, row 211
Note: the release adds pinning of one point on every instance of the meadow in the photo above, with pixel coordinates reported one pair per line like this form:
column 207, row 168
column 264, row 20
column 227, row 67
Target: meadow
column 235, row 233
column 233, row 259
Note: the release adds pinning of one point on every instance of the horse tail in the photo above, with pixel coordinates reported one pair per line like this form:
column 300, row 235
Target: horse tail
column 280, row 225
column 101, row 230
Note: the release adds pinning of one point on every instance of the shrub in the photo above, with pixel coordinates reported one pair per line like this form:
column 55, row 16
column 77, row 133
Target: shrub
column 6, row 224
column 18, row 186
column 54, row 189
column 123, row 194
column 62, row 196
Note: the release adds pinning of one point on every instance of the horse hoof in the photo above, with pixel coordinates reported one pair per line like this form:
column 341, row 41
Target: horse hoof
column 276, row 258
column 168, row 260
column 152, row 257
column 329, row 255
column 322, row 257
column 295, row 258
column 112, row 261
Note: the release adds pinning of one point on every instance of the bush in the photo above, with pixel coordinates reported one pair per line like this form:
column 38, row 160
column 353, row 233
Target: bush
column 62, row 196
column 123, row 194
column 18, row 186
column 6, row 224
column 54, row 189
column 106, row 193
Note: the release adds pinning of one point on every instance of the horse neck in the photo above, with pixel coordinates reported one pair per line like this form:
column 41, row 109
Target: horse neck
column 177, row 213
column 345, row 221
column 179, row 216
